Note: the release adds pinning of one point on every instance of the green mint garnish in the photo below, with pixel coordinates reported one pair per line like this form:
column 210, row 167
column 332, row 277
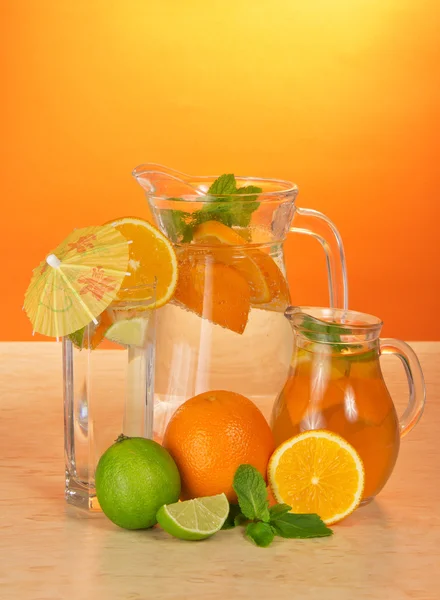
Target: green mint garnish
column 330, row 333
column 251, row 492
column 288, row 525
column 223, row 206
column 264, row 523
column 278, row 509
column 224, row 185
column 318, row 330
column 234, row 512
column 178, row 224
column 260, row 533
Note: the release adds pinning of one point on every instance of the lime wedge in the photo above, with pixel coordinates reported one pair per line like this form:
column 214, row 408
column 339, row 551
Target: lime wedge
column 194, row 519
column 130, row 332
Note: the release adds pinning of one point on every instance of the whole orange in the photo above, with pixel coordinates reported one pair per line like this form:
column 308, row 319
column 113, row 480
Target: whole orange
column 211, row 435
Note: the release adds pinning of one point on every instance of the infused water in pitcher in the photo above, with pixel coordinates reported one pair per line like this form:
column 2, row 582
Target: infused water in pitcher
column 225, row 328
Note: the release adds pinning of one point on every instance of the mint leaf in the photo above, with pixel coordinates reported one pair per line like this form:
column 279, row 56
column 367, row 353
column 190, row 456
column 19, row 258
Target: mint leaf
column 229, row 210
column 289, row 525
column 251, row 491
column 260, row 533
column 178, row 224
column 224, row 185
column 217, row 210
column 240, row 213
column 278, row 509
column 251, row 191
column 233, row 517
column 240, row 519
column 223, row 206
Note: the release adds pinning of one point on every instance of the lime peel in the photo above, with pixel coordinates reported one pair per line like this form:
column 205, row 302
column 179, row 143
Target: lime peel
column 195, row 519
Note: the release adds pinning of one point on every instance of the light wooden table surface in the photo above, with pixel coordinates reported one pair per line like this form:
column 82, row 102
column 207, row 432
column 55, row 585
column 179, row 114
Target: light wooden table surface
column 387, row 550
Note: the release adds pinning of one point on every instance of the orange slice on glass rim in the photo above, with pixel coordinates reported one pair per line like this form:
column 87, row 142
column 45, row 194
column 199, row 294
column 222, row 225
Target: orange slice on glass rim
column 317, row 472
column 151, row 256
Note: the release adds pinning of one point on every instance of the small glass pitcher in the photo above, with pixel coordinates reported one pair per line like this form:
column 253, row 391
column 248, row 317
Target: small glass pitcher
column 336, row 383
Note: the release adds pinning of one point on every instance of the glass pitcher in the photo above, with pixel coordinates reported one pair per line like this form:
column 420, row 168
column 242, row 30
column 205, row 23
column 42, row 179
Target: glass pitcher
column 225, row 328
column 336, row 383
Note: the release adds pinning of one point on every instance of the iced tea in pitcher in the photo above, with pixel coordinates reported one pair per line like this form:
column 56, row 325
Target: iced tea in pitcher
column 335, row 383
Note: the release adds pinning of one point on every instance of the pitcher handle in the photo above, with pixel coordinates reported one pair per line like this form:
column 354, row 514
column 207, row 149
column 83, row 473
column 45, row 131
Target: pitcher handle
column 334, row 254
column 416, row 382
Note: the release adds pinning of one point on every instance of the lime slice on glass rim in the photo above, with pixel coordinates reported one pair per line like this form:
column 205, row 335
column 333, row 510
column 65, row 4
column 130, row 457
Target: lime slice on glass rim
column 129, row 332
column 195, row 519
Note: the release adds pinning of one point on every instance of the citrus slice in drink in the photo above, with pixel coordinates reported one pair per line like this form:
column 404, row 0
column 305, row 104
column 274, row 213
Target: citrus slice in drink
column 267, row 284
column 317, row 472
column 130, row 332
column 279, row 290
column 221, row 236
column 195, row 519
column 151, row 256
column 214, row 232
column 213, row 290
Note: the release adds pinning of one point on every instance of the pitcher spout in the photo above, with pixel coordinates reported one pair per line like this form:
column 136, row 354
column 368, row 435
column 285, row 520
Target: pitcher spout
column 162, row 181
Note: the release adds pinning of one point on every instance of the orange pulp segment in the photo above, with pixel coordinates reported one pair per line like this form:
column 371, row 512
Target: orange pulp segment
column 267, row 284
column 278, row 288
column 215, row 232
column 213, row 290
column 151, row 257
column 317, row 472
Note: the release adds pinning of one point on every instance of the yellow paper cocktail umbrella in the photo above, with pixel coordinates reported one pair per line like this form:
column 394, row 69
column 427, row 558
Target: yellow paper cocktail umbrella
column 77, row 281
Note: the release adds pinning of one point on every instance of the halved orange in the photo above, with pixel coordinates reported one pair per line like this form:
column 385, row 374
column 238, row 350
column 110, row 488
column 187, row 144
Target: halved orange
column 267, row 283
column 151, row 256
column 317, row 472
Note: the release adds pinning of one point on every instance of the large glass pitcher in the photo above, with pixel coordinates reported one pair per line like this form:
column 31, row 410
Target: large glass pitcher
column 336, row 383
column 225, row 328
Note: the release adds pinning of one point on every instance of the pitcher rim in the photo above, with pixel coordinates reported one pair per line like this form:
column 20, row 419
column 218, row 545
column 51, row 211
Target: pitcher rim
column 288, row 187
column 359, row 322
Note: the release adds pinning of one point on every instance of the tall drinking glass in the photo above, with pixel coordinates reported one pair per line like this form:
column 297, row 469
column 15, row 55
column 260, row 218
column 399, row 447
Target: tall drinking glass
column 108, row 380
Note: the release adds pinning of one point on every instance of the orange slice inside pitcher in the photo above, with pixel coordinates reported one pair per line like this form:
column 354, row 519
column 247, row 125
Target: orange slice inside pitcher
column 229, row 250
column 268, row 287
column 213, row 290
column 317, row 472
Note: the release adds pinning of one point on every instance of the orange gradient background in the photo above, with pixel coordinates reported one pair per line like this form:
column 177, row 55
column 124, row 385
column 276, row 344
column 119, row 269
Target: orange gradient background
column 340, row 96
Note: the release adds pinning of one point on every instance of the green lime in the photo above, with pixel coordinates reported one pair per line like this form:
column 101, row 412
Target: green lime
column 129, row 332
column 194, row 519
column 134, row 478
column 77, row 337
